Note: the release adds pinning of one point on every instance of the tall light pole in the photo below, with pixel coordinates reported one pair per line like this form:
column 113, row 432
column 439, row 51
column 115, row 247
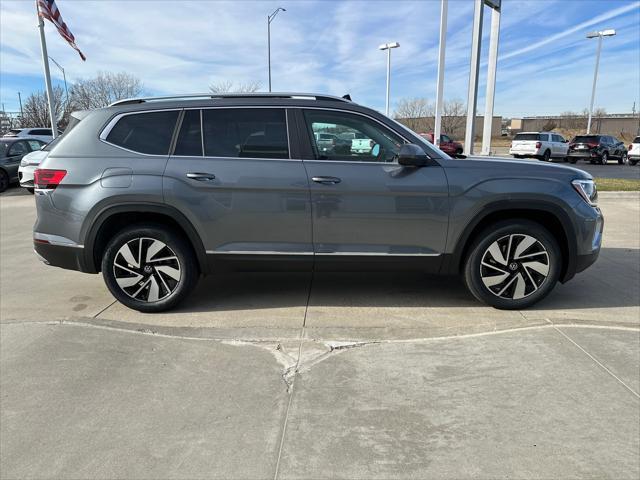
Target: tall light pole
column 64, row 76
column 388, row 47
column 599, row 35
column 269, row 20
column 437, row 128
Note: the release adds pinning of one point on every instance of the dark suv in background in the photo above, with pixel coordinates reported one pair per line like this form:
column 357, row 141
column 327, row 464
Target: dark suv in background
column 155, row 192
column 597, row 149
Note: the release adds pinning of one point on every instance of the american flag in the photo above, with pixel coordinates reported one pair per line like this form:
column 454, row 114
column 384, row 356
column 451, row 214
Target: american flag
column 48, row 9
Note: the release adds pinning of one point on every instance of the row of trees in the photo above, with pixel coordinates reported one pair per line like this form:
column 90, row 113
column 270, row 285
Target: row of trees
column 418, row 114
column 97, row 92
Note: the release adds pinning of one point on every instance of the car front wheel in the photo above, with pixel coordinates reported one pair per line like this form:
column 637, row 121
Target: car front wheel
column 149, row 268
column 513, row 265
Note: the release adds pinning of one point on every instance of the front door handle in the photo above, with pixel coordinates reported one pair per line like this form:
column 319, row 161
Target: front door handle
column 326, row 180
column 201, row 177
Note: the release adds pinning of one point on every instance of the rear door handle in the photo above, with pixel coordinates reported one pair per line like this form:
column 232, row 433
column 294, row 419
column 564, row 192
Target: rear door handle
column 326, row 180
column 201, row 177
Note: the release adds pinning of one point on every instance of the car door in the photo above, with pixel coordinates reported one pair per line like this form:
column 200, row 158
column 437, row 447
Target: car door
column 232, row 172
column 368, row 210
column 16, row 151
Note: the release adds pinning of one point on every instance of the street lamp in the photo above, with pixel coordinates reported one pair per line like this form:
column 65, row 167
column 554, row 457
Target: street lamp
column 599, row 35
column 66, row 90
column 269, row 20
column 388, row 47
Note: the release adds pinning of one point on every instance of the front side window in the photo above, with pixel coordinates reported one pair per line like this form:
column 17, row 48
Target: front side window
column 148, row 133
column 346, row 136
column 245, row 132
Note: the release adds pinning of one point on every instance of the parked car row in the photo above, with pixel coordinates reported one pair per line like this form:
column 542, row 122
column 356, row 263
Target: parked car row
column 594, row 148
column 12, row 152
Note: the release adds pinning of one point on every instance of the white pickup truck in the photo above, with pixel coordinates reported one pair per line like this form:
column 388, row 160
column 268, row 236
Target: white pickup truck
column 362, row 145
column 634, row 151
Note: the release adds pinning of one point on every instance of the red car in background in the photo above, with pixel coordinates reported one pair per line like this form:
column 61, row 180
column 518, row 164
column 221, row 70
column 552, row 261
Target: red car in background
column 447, row 145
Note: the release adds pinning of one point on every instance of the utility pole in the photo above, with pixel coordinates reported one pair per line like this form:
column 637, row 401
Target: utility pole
column 388, row 47
column 21, row 113
column 598, row 35
column 437, row 129
column 269, row 20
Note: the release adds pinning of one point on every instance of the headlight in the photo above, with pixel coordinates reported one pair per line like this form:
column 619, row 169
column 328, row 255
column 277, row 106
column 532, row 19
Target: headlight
column 587, row 190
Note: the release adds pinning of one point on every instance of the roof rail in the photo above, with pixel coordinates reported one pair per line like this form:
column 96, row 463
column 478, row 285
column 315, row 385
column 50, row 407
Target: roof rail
column 213, row 96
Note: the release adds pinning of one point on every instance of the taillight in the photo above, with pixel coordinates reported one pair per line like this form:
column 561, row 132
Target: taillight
column 538, row 144
column 630, row 146
column 48, row 179
column 592, row 145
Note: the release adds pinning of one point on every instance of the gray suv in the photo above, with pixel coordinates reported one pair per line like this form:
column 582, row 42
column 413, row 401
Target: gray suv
column 154, row 192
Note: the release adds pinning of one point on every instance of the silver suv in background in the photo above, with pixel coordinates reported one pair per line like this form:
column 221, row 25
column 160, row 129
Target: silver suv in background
column 540, row 145
column 154, row 192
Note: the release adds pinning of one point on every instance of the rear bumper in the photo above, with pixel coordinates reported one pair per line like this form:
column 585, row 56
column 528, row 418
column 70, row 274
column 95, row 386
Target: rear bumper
column 63, row 256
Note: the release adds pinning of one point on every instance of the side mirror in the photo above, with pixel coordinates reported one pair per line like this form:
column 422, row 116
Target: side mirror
column 411, row 155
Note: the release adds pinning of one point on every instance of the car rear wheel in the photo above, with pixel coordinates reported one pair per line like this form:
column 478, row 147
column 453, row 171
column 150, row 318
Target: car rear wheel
column 149, row 268
column 4, row 181
column 633, row 162
column 513, row 264
column 624, row 159
column 547, row 156
column 572, row 160
column 604, row 159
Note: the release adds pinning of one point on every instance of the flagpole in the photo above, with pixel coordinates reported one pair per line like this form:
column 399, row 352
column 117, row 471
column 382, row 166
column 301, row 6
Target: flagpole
column 47, row 74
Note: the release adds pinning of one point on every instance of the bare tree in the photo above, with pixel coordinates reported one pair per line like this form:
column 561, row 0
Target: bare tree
column 36, row 109
column 415, row 113
column 454, row 118
column 227, row 86
column 104, row 89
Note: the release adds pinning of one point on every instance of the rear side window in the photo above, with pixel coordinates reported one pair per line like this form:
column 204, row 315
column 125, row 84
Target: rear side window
column 587, row 139
column 42, row 131
column 245, row 132
column 636, row 140
column 189, row 142
column 148, row 133
column 527, row 136
column 35, row 144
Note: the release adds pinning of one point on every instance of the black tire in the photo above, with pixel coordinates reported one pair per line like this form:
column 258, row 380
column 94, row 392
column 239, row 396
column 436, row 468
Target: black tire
column 572, row 160
column 537, row 286
column 633, row 162
column 4, row 181
column 31, row 190
column 624, row 159
column 144, row 275
column 459, row 151
column 517, row 156
column 604, row 158
column 546, row 156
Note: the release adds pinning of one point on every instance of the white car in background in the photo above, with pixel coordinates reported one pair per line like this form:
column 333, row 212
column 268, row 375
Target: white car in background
column 633, row 155
column 540, row 145
column 28, row 166
column 44, row 134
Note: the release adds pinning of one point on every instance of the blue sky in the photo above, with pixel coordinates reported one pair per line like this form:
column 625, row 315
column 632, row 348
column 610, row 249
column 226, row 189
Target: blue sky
column 545, row 62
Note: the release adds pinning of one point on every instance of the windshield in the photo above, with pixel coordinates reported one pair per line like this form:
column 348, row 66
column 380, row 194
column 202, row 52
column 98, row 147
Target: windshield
column 431, row 149
column 527, row 136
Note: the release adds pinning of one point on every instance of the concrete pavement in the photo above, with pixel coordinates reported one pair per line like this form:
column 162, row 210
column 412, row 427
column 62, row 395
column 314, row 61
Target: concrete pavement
column 331, row 376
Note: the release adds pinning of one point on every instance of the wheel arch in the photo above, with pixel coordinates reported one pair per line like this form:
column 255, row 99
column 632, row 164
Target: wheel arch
column 550, row 216
column 112, row 219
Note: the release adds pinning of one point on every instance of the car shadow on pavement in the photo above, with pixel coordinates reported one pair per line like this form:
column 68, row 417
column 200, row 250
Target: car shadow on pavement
column 613, row 281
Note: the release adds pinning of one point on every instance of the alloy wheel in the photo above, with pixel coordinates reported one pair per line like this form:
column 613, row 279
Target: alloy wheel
column 147, row 269
column 514, row 266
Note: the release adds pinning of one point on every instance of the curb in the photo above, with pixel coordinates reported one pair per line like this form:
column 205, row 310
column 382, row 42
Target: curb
column 618, row 194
